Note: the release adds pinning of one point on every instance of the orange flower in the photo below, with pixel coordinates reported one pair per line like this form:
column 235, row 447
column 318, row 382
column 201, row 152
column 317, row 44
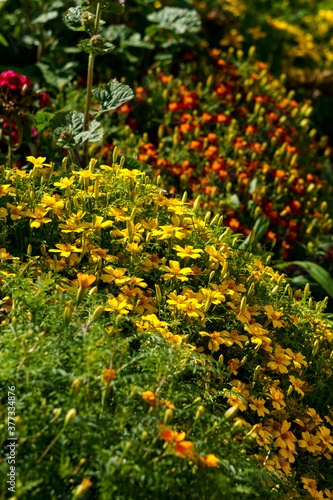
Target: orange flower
column 149, row 397
column 210, row 460
column 108, row 376
column 85, row 280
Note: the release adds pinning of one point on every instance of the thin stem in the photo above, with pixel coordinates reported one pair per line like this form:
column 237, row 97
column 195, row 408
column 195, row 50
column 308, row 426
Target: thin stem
column 89, row 89
column 10, row 144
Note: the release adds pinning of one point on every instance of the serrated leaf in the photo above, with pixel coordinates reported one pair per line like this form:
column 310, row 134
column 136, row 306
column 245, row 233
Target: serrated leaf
column 93, row 49
column 72, row 19
column 178, row 20
column 260, row 227
column 112, row 95
column 47, row 16
column 73, row 122
column 316, row 272
column 42, row 120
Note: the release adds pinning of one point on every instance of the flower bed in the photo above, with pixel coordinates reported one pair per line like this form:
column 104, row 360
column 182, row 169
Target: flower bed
column 150, row 355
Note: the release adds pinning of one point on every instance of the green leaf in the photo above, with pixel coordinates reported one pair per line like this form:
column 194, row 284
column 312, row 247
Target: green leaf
column 60, row 77
column 133, row 164
column 260, row 227
column 72, row 122
column 47, row 16
column 115, row 8
column 178, row 20
column 42, row 120
column 112, row 95
column 100, row 50
column 72, row 19
column 3, row 41
column 316, row 272
column 328, row 173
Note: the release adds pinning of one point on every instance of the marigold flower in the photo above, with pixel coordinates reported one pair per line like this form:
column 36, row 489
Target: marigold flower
column 85, row 280
column 108, row 375
column 174, row 271
column 258, row 405
column 310, row 442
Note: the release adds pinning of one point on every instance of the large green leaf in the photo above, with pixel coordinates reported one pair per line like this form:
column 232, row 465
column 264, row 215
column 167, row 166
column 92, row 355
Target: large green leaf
column 112, row 95
column 178, row 20
column 72, row 19
column 260, row 227
column 316, row 272
column 59, row 77
column 72, row 122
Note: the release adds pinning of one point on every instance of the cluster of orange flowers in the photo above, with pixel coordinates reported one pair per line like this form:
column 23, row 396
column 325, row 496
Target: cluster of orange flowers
column 238, row 139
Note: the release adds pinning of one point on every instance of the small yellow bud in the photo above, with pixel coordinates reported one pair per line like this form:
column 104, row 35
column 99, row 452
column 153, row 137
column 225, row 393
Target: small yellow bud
column 97, row 313
column 76, row 386
column 168, row 415
column 196, row 204
column 93, row 290
column 231, row 412
column 158, row 293
column 70, row 416
column 200, row 411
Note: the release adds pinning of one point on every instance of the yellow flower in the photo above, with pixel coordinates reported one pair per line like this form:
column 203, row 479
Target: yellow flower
column 39, row 216
column 115, row 275
column 97, row 224
column 310, row 442
column 174, row 271
column 15, row 210
column 277, row 398
column 215, row 340
column 119, row 305
column 280, row 361
column 65, row 182
column 258, row 405
column 6, row 255
column 71, row 226
column 274, row 316
column 65, row 250
column 166, row 232
column 3, row 213
column 6, row 189
column 297, row 383
column 38, row 162
column 188, row 251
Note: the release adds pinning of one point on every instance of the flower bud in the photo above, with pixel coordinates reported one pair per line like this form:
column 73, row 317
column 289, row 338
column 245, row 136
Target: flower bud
column 200, row 411
column 70, row 416
column 97, row 313
column 231, row 412
column 168, row 416
column 76, row 386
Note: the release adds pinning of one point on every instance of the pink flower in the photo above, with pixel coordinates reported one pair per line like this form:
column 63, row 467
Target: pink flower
column 14, row 80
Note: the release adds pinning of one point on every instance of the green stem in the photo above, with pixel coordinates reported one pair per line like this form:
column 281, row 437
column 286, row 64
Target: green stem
column 89, row 89
column 10, row 145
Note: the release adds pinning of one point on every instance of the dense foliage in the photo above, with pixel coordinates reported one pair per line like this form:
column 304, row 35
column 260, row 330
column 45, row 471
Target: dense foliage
column 150, row 346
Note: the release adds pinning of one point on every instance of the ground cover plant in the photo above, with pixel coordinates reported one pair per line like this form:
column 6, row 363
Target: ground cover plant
column 146, row 350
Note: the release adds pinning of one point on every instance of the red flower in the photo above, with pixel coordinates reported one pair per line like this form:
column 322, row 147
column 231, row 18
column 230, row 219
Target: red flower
column 44, row 100
column 14, row 80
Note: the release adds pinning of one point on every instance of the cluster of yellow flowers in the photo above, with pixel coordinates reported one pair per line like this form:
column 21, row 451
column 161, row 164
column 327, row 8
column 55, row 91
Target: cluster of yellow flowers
column 185, row 278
